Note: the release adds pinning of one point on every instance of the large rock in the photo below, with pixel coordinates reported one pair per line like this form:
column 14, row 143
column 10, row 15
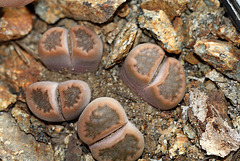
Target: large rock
column 91, row 10
column 223, row 56
column 15, row 23
column 161, row 28
column 208, row 114
column 171, row 8
column 16, row 145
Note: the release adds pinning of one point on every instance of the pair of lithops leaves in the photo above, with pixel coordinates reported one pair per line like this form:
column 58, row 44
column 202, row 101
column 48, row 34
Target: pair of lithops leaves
column 78, row 49
column 105, row 128
column 102, row 125
column 158, row 79
column 55, row 102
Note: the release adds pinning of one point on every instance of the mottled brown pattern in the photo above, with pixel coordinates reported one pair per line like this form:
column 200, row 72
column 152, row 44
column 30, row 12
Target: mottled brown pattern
column 41, row 100
column 101, row 119
column 53, row 40
column 120, row 151
column 170, row 88
column 84, row 40
column 145, row 60
column 72, row 96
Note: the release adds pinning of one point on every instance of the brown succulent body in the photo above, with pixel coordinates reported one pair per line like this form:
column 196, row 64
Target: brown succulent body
column 105, row 128
column 153, row 76
column 56, row 102
column 77, row 50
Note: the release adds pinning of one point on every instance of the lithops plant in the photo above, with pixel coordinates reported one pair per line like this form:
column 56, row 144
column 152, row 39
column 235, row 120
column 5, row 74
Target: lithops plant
column 104, row 127
column 159, row 80
column 56, row 102
column 77, row 50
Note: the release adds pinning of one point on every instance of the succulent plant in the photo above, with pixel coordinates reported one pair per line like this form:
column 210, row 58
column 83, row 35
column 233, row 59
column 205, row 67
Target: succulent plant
column 158, row 79
column 77, row 50
column 104, row 127
column 56, row 102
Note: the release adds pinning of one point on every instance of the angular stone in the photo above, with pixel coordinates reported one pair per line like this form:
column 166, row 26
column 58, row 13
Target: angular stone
column 21, row 116
column 54, row 130
column 122, row 44
column 178, row 145
column 208, row 21
column 189, row 131
column 123, row 10
column 219, row 138
column 178, row 26
column 208, row 114
column 38, row 130
column 91, row 10
column 224, row 29
column 111, row 30
column 171, row 8
column 197, row 24
column 236, row 123
column 14, row 26
column 195, row 153
column 159, row 25
column 6, row 98
column 16, row 145
column 223, row 56
column 172, row 141
column 191, row 58
column 230, row 88
column 87, row 157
